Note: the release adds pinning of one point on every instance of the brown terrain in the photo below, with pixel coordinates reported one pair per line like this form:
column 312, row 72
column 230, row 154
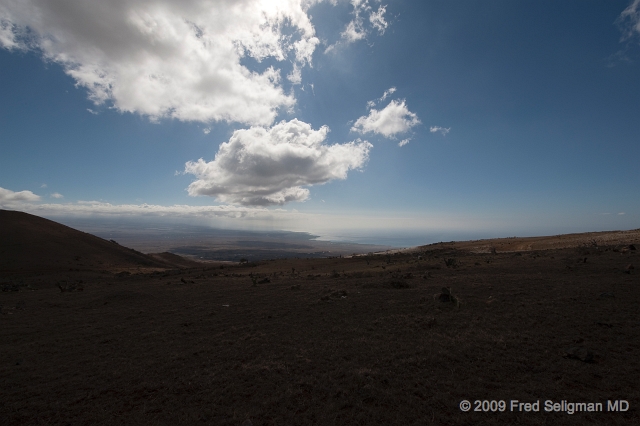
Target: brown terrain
column 92, row 332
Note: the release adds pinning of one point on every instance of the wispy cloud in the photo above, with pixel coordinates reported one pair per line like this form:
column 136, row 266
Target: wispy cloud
column 56, row 195
column 365, row 19
column 176, row 59
column 390, row 121
column 442, row 130
column 377, row 19
column 384, row 96
column 629, row 21
column 403, row 142
column 271, row 166
column 629, row 24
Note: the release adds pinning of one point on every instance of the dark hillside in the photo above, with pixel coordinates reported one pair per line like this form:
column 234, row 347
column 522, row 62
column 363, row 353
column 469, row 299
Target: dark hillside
column 32, row 243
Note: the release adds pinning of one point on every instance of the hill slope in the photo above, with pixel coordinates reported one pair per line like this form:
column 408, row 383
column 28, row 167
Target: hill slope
column 32, row 243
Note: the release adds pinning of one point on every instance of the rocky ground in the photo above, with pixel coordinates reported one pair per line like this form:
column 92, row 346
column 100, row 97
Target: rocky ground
column 388, row 339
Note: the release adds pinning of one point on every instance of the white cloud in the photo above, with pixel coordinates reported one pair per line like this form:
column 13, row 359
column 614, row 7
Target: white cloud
column 403, row 142
column 621, row 214
column 238, row 217
column 266, row 166
column 175, row 59
column 108, row 209
column 92, row 111
column 295, row 77
column 443, row 130
column 56, row 195
column 44, row 185
column 9, row 197
column 225, row 216
column 206, row 130
column 353, row 32
column 6, row 35
column 393, row 119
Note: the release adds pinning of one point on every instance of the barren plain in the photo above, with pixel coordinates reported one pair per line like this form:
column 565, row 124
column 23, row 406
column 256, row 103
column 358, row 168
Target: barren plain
column 92, row 332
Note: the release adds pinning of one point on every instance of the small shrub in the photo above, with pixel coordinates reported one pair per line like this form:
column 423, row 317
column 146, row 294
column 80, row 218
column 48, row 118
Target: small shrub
column 451, row 262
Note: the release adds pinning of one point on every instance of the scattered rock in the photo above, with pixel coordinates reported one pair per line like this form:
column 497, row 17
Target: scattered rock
column 264, row 281
column 448, row 297
column 68, row 287
column 295, row 287
column 580, row 353
column 632, row 247
column 10, row 287
column 398, row 284
column 607, row 294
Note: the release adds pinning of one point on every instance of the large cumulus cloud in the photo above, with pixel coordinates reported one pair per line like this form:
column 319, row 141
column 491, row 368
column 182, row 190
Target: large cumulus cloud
column 270, row 166
column 166, row 58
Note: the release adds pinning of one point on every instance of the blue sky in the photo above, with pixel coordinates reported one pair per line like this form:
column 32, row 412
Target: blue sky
column 461, row 119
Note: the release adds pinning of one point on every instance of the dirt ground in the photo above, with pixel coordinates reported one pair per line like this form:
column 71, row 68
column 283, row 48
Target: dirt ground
column 369, row 340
